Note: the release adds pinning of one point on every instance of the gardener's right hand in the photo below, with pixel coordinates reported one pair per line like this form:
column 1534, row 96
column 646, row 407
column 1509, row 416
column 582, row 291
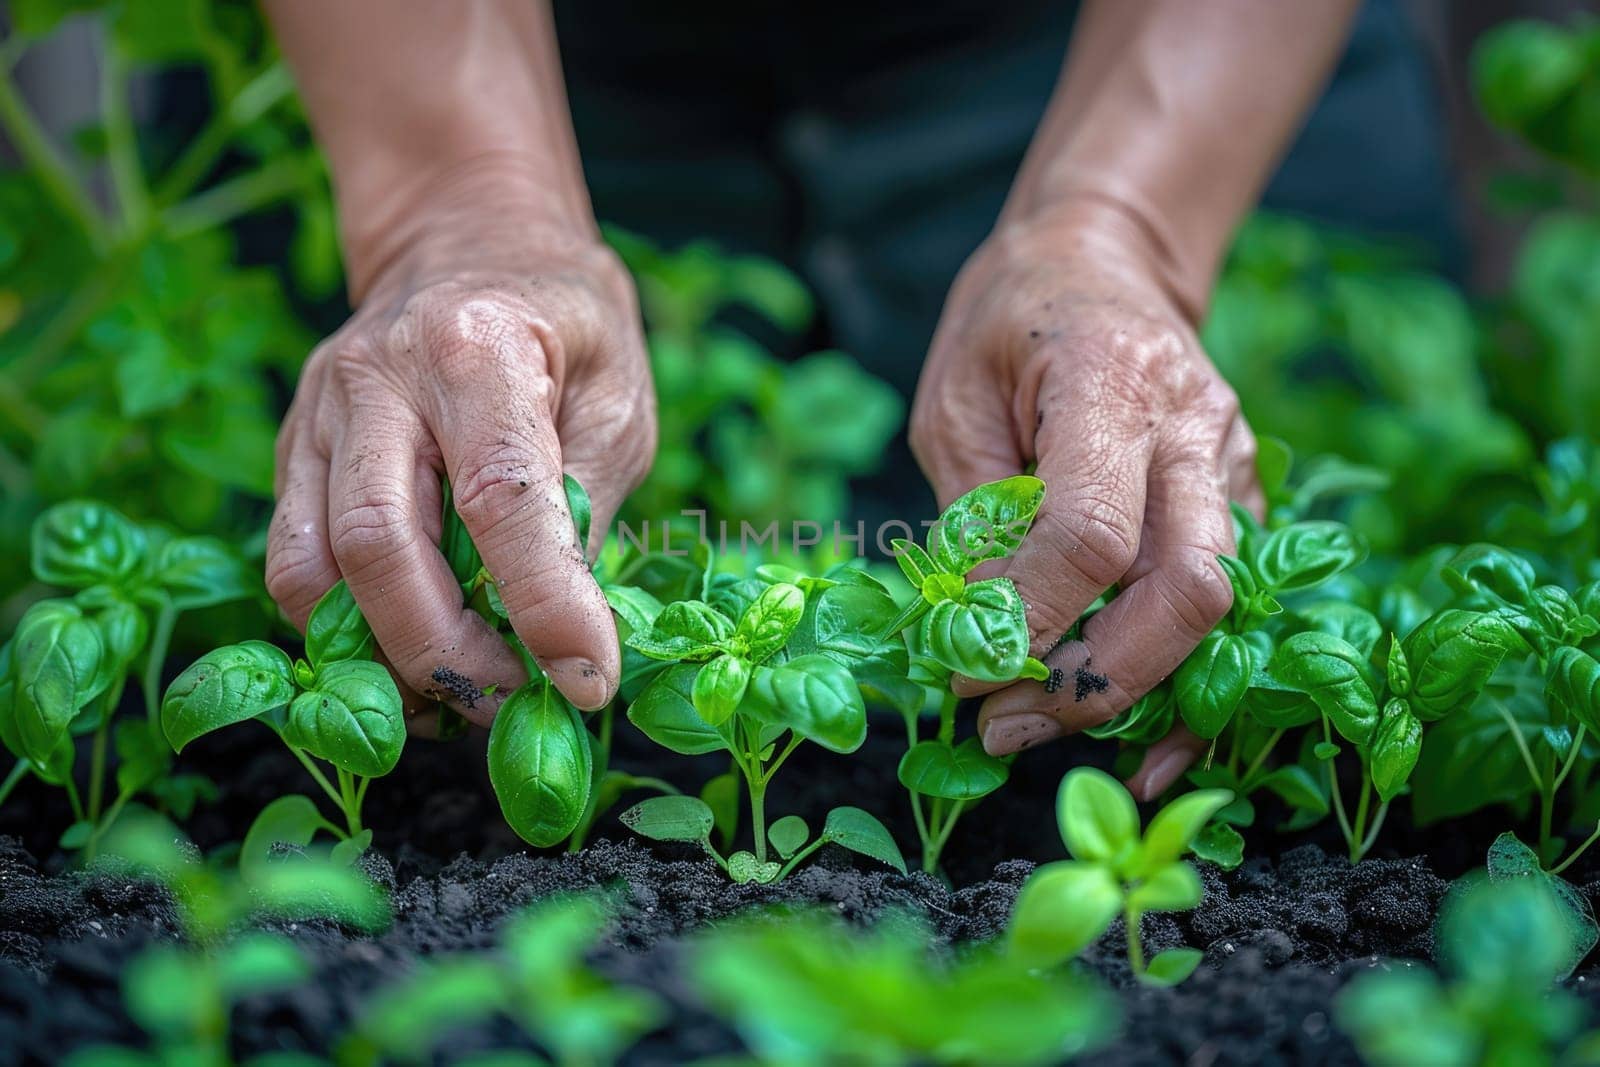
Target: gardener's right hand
column 498, row 348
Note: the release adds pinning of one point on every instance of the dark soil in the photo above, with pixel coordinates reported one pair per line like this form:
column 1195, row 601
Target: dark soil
column 1282, row 933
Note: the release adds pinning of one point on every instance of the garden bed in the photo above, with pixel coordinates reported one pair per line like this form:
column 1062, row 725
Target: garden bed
column 1281, row 934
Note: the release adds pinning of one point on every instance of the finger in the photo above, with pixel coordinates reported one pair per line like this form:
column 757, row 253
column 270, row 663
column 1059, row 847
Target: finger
column 378, row 496
column 607, row 428
column 1174, row 595
column 957, row 425
column 300, row 566
column 493, row 421
column 1244, row 483
column 1165, row 761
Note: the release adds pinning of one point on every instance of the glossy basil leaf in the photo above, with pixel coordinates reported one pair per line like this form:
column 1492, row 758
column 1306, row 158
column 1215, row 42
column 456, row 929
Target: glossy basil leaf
column 353, row 718
column 987, row 523
column 685, row 630
column 862, row 833
column 1212, row 681
column 337, row 630
column 670, row 818
column 635, row 607
column 199, row 572
column 81, row 543
column 815, row 697
column 1351, row 623
column 579, row 505
column 1396, row 746
column 1471, row 761
column 744, row 868
column 1097, row 817
column 1299, row 788
column 1510, row 861
column 455, row 543
column 665, row 712
column 1574, row 685
column 1333, row 674
column 124, row 630
column 1174, row 828
column 1147, row 721
column 914, row 563
column 1062, row 909
column 1171, row 967
column 983, row 636
column 1220, row 844
column 540, row 764
column 850, row 623
column 767, row 623
column 1451, row 655
column 58, row 665
column 788, row 835
column 719, row 687
column 225, row 686
column 292, row 820
column 1397, row 669
column 952, row 772
column 1491, row 569
column 1307, row 554
column 1172, row 886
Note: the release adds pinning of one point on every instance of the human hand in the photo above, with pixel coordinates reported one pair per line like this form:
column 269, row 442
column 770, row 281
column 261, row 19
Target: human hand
column 499, row 350
column 1060, row 345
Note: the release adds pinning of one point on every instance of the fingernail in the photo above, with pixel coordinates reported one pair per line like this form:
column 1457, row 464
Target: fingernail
column 580, row 680
column 1014, row 733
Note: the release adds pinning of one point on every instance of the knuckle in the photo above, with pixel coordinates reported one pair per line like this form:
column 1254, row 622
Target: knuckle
column 497, row 484
column 1197, row 590
column 295, row 575
column 1098, row 538
column 369, row 534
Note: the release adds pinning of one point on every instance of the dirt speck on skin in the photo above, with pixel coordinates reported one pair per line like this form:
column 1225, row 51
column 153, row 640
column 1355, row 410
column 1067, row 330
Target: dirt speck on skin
column 1057, row 679
column 458, row 685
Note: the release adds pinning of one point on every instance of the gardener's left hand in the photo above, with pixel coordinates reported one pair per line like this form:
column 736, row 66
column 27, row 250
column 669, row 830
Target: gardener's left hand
column 1060, row 346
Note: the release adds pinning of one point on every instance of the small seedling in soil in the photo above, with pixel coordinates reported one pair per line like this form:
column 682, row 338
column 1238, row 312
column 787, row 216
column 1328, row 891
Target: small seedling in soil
column 1067, row 905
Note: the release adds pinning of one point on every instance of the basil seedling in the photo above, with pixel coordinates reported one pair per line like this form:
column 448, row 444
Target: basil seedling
column 1066, row 906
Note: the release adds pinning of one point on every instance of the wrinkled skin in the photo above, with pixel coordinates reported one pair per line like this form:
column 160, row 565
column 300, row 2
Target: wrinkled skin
column 1060, row 345
column 499, row 354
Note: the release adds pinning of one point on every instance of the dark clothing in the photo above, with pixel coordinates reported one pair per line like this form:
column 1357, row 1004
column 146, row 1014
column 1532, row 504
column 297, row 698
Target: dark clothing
column 870, row 145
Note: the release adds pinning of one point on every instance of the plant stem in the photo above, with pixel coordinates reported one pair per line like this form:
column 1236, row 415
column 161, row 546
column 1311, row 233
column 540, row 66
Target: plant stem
column 92, row 847
column 1572, row 757
column 226, row 201
column 122, row 149
column 1516, row 735
column 922, row 832
column 160, row 639
column 758, row 817
column 351, row 803
column 944, row 836
column 1361, row 815
column 1135, row 946
column 795, row 741
column 97, row 769
column 19, row 770
column 45, row 161
column 1372, row 834
column 311, row 768
column 1260, row 758
column 1333, row 790
column 74, row 799
column 1580, row 850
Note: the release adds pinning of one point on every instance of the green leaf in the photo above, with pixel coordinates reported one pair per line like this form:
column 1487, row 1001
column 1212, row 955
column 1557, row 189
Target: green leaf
column 540, row 764
column 353, row 718
column 767, row 623
column 1483, row 568
column 719, row 688
column 1212, row 681
column 346, row 852
column 1396, row 745
column 1220, row 844
column 1397, row 668
column 1171, row 967
column 1172, row 887
column 1524, row 69
column 199, row 572
column 1333, row 674
column 1325, row 750
column 984, row 635
column 337, row 630
column 292, row 820
column 1511, row 861
column 815, row 697
column 225, row 686
column 57, row 666
column 1351, row 622
column 75, row 836
column 861, row 832
column 1298, row 788
column 1306, row 554
column 1574, row 685
column 1175, row 827
column 788, row 835
column 81, row 543
column 143, row 757
column 259, row 962
column 987, row 523
column 1062, row 909
column 665, row 712
column 1097, row 817
column 671, row 819
column 635, row 607
column 914, row 563
column 455, row 544
column 685, row 630
column 579, row 505
column 721, row 794
column 1147, row 721
column 743, row 868
column 952, row 772
column 1507, row 933
column 1451, row 655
